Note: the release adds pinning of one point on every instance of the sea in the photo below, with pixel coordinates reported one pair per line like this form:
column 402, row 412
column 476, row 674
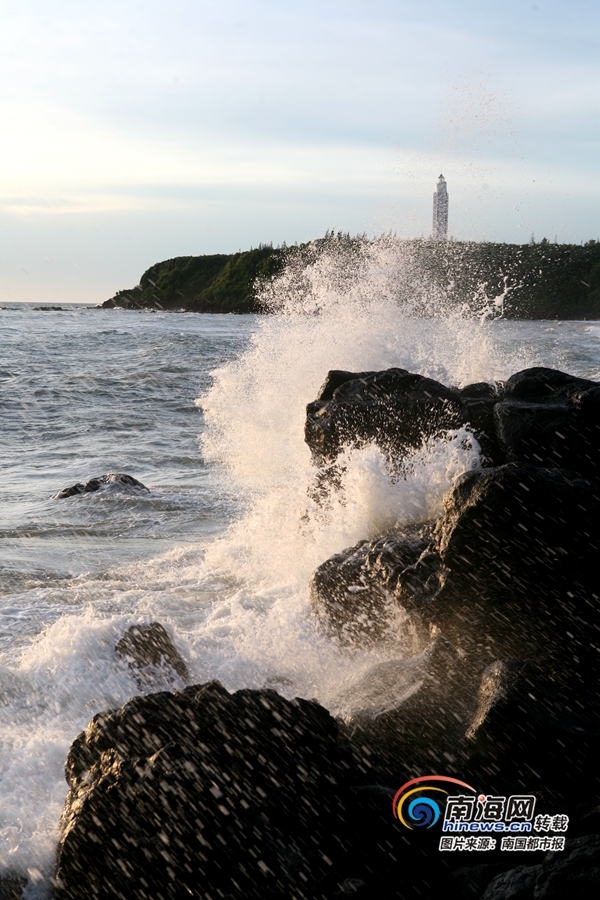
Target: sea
column 208, row 412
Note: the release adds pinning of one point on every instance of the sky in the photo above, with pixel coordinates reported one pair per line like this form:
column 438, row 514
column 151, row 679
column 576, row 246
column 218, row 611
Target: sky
column 140, row 130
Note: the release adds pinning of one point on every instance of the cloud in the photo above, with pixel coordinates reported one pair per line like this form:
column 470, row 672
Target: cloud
column 276, row 120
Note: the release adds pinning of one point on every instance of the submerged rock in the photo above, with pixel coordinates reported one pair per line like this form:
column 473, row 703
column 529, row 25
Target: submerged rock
column 116, row 478
column 151, row 655
column 204, row 793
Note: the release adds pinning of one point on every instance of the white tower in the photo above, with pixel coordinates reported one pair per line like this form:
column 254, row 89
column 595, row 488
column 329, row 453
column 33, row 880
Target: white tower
column 440, row 211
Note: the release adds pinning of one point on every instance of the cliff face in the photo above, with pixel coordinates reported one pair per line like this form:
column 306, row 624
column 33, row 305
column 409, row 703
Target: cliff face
column 538, row 281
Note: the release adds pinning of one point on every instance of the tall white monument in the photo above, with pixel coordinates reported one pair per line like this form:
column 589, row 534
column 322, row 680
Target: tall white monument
column 440, row 211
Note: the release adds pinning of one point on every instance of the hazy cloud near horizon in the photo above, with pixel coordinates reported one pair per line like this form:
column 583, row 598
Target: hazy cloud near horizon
column 140, row 131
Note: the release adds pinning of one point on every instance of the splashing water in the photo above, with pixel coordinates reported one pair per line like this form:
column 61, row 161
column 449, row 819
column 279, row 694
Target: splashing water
column 338, row 309
column 237, row 607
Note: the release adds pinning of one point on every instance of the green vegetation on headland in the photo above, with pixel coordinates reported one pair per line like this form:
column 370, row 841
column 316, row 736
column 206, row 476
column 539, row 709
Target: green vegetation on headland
column 220, row 283
column 530, row 281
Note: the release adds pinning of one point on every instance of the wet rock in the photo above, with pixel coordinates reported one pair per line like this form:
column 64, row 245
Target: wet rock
column 423, row 730
column 551, row 419
column 202, row 793
column 480, row 401
column 520, row 545
column 384, row 863
column 469, row 882
column 151, row 654
column 353, row 593
column 116, row 478
column 511, row 573
column 539, row 416
column 12, row 887
column 574, row 872
column 353, row 887
column 516, row 884
column 395, row 409
column 529, row 731
column 419, row 584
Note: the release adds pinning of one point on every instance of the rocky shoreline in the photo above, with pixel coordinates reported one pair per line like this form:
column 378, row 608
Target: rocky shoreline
column 197, row 792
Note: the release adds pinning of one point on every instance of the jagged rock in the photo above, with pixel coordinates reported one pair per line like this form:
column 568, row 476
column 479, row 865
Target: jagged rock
column 549, row 418
column 205, row 793
column 541, row 416
column 353, row 887
column 515, row 884
column 520, row 545
column 394, row 408
column 529, row 731
column 480, row 400
column 469, row 882
column 354, row 592
column 424, row 729
column 511, row 573
column 574, row 872
column 117, row 478
column 151, row 654
column 511, row 570
column 12, row 887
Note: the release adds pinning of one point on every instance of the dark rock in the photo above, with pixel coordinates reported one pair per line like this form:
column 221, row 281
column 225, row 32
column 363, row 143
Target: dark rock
column 540, row 416
column 394, row 408
column 469, row 882
column 520, row 546
column 12, row 887
column 151, row 654
column 420, row 583
column 117, row 478
column 512, row 572
column 353, row 887
column 424, row 729
column 574, row 872
column 354, row 592
column 529, row 732
column 384, row 864
column 480, row 401
column 516, row 884
column 587, row 822
column 202, row 793
column 549, row 418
